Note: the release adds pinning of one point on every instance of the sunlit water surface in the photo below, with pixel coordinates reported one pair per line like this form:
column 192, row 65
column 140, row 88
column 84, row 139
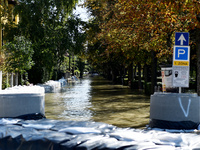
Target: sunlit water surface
column 96, row 99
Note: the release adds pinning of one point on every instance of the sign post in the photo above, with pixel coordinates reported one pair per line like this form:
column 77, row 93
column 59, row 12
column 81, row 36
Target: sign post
column 181, row 60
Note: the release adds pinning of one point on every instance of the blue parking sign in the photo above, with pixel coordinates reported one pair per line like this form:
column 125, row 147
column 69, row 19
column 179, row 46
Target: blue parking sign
column 181, row 53
column 182, row 38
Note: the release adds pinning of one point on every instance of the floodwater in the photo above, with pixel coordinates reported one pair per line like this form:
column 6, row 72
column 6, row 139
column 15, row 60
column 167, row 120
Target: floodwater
column 96, row 99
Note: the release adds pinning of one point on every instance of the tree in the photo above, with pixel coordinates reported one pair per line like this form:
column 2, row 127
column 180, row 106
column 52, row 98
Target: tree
column 129, row 27
column 44, row 23
column 198, row 54
column 18, row 55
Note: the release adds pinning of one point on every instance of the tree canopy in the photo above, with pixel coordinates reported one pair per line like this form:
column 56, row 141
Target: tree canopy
column 52, row 30
column 148, row 24
column 18, row 55
column 130, row 29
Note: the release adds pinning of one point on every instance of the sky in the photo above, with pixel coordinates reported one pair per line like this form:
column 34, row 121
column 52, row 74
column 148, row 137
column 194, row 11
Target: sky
column 84, row 15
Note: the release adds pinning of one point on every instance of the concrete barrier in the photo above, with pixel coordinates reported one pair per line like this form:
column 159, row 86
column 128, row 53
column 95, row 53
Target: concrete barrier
column 51, row 86
column 54, row 84
column 174, row 110
column 22, row 100
column 63, row 82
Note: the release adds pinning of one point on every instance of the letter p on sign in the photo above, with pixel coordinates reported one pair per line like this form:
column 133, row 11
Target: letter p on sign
column 181, row 52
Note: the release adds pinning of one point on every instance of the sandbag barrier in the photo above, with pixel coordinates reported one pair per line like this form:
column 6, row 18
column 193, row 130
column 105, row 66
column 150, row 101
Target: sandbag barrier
column 45, row 134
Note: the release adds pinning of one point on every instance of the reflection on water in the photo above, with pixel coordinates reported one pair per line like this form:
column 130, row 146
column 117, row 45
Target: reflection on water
column 72, row 103
column 95, row 99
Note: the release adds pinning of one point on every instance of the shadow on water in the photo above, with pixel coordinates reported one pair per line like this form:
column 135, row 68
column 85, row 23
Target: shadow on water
column 119, row 105
column 96, row 99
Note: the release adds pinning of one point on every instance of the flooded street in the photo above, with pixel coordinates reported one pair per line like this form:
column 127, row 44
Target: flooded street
column 96, row 99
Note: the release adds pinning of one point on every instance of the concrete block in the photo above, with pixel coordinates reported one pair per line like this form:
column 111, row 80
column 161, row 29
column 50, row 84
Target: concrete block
column 19, row 101
column 175, row 107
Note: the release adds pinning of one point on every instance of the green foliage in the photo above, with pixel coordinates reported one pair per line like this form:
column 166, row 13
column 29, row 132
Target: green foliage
column 52, row 32
column 77, row 35
column 18, row 55
column 64, row 65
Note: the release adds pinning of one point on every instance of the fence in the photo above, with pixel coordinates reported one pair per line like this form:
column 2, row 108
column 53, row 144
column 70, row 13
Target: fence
column 8, row 79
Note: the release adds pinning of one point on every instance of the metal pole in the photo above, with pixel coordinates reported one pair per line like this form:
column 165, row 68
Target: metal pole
column 11, row 80
column 16, row 79
column 179, row 89
column 7, row 81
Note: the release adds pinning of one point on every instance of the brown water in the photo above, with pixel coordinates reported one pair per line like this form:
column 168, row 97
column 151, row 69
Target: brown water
column 96, row 99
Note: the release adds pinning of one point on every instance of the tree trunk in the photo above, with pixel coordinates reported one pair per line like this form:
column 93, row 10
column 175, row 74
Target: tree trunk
column 69, row 63
column 130, row 74
column 113, row 75
column 198, row 54
column 153, row 71
column 198, row 60
column 139, row 76
column 145, row 74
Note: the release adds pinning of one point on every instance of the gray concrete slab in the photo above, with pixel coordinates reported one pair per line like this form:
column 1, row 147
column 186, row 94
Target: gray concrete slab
column 175, row 107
